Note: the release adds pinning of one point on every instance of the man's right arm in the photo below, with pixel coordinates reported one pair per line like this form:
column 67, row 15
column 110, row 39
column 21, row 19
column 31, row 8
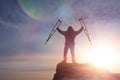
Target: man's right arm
column 60, row 31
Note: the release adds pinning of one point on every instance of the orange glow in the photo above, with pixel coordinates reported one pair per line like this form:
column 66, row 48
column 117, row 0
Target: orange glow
column 102, row 56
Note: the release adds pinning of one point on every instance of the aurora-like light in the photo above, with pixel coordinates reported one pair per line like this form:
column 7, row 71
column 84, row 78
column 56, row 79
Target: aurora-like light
column 39, row 9
column 30, row 8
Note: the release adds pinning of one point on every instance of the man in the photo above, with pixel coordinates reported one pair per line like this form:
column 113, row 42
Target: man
column 69, row 35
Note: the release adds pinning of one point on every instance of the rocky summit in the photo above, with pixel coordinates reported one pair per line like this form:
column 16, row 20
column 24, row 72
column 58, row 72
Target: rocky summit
column 80, row 71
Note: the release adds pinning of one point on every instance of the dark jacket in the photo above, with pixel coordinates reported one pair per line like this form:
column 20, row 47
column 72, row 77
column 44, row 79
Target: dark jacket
column 70, row 35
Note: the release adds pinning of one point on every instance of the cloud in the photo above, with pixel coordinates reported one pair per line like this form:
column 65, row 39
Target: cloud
column 98, row 9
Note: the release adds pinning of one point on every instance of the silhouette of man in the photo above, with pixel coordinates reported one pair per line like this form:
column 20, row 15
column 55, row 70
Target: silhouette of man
column 69, row 35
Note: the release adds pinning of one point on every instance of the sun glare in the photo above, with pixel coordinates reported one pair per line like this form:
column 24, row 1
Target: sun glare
column 102, row 56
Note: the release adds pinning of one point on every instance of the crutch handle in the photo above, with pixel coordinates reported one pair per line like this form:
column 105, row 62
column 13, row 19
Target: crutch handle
column 80, row 19
column 59, row 20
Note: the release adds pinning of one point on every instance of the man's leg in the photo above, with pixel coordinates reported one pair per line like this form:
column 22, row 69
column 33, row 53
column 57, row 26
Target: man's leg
column 65, row 53
column 72, row 53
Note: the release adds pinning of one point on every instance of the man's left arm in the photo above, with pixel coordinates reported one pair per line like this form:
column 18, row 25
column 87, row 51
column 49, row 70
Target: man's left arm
column 79, row 31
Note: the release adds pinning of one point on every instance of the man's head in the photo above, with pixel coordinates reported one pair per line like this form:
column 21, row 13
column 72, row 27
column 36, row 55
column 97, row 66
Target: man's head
column 70, row 28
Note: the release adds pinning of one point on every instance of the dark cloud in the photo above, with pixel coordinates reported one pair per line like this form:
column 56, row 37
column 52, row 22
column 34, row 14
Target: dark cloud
column 12, row 19
column 9, row 40
column 11, row 12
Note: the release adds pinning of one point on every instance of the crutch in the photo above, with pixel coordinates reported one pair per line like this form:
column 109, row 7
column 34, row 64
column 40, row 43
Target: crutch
column 85, row 29
column 53, row 30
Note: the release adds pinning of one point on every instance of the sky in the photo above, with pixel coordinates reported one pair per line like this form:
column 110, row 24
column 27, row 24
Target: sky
column 26, row 24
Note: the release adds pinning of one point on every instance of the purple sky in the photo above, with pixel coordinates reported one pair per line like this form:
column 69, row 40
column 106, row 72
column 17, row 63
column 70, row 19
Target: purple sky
column 26, row 24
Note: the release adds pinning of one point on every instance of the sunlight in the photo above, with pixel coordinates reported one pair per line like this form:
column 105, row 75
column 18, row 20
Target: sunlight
column 102, row 56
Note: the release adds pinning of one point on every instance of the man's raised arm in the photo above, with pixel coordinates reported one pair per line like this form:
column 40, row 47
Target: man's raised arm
column 60, row 31
column 79, row 31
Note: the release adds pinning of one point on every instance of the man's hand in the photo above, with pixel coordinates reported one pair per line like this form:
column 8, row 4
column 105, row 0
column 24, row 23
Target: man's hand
column 82, row 27
column 57, row 28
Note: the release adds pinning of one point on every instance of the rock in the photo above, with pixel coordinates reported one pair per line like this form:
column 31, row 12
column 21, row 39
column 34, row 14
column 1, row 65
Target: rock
column 77, row 71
